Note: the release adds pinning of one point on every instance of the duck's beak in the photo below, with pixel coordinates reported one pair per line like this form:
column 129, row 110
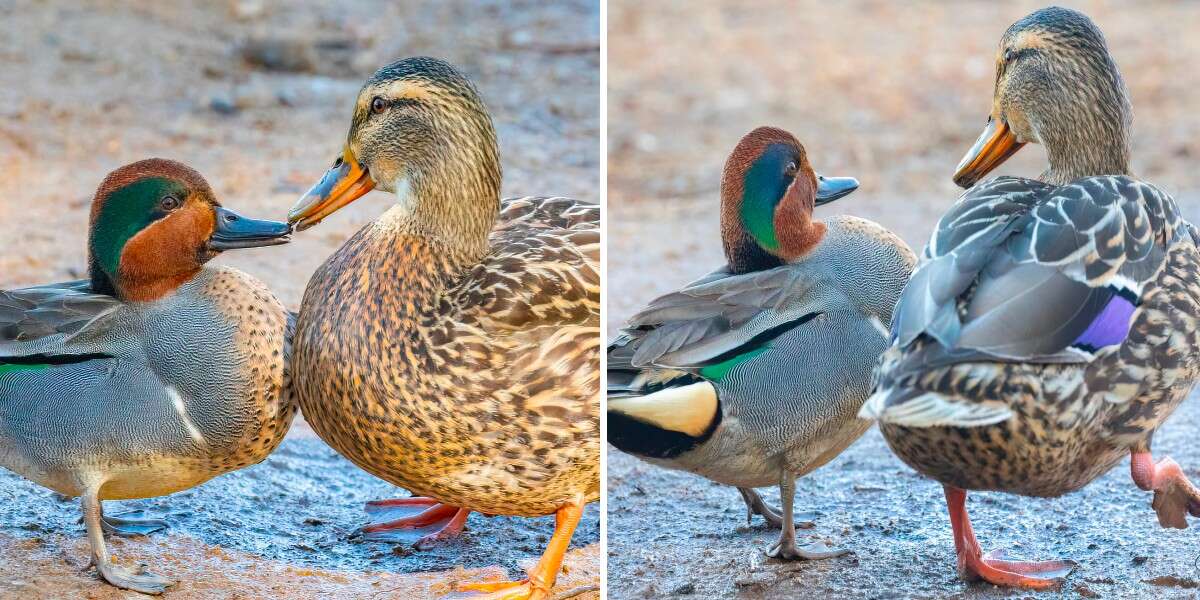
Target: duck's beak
column 832, row 188
column 234, row 231
column 993, row 147
column 342, row 184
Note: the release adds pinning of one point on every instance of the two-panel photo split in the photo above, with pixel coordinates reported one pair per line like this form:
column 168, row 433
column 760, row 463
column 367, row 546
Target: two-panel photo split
column 599, row 299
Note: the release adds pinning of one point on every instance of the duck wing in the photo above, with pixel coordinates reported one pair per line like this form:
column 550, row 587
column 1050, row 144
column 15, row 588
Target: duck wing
column 543, row 269
column 58, row 319
column 533, row 303
column 780, row 349
column 1022, row 271
column 723, row 316
column 548, row 213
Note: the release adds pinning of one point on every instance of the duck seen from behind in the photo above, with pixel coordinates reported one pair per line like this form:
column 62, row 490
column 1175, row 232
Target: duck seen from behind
column 754, row 374
column 1052, row 325
column 155, row 375
column 451, row 347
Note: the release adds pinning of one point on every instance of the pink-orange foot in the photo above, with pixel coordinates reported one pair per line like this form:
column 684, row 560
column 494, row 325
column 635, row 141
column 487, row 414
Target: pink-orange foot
column 542, row 576
column 504, row 590
column 992, row 567
column 450, row 521
column 1174, row 496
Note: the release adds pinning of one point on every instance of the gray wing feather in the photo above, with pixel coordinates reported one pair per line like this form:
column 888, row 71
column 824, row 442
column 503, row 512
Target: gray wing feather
column 48, row 319
column 1017, row 270
column 721, row 312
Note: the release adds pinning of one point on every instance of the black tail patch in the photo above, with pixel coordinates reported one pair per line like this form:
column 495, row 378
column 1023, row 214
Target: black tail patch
column 640, row 438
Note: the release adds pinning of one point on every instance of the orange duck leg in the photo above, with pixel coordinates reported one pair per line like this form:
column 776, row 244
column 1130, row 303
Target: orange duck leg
column 541, row 578
column 991, row 567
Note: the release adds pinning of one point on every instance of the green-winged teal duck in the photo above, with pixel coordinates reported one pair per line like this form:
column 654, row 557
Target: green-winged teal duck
column 754, row 374
column 155, row 375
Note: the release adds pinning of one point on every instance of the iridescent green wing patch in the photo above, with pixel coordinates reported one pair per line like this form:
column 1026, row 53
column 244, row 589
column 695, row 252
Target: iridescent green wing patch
column 718, row 371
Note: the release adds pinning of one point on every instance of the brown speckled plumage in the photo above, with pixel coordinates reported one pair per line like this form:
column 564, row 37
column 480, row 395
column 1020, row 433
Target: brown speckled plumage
column 452, row 346
column 1072, row 422
column 1052, row 326
column 477, row 386
column 1091, row 233
column 263, row 338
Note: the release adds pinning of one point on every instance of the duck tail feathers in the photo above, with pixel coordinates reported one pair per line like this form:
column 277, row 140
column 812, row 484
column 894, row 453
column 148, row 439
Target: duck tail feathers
column 919, row 408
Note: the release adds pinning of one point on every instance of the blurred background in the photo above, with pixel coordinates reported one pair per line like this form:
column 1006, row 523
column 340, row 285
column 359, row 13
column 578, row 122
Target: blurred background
column 891, row 93
column 257, row 96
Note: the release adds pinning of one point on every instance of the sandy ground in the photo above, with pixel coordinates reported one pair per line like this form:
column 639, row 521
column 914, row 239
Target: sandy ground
column 87, row 87
column 891, row 93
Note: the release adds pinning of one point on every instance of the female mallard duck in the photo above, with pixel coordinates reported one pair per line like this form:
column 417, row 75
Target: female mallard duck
column 438, row 350
column 102, row 391
column 1052, row 325
column 754, row 374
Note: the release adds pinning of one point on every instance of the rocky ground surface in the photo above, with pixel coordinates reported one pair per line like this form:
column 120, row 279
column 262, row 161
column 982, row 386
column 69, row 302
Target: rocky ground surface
column 256, row 95
column 891, row 93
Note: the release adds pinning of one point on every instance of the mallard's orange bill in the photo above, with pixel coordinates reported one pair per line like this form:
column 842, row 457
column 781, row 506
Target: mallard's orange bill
column 993, row 147
column 342, row 184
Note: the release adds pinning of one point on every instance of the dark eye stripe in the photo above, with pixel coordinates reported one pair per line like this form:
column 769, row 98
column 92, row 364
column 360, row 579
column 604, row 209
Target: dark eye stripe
column 391, row 103
column 1023, row 52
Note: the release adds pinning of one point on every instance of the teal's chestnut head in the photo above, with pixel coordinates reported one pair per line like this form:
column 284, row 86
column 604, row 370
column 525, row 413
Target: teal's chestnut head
column 154, row 223
column 768, row 193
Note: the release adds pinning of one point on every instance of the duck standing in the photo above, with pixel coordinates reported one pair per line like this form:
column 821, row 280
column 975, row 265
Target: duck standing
column 1052, row 324
column 754, row 374
column 103, row 392
column 451, row 347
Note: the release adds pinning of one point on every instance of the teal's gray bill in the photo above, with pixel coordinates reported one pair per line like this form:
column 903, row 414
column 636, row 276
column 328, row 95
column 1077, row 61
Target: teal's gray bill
column 832, row 188
column 234, row 231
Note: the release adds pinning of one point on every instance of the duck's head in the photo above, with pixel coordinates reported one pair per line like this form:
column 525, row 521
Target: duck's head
column 768, row 192
column 1056, row 85
column 421, row 131
column 154, row 223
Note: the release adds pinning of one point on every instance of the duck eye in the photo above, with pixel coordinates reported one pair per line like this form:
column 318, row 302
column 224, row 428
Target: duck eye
column 378, row 104
column 1009, row 55
column 791, row 168
column 169, row 203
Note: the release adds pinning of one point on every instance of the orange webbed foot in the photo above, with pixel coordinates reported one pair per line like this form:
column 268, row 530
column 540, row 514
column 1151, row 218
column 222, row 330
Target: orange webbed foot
column 992, row 567
column 450, row 521
column 1174, row 496
column 504, row 590
column 541, row 576
column 995, row 569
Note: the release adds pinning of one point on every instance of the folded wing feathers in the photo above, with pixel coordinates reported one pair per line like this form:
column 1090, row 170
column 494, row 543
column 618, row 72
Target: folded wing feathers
column 1083, row 244
column 717, row 313
column 43, row 319
column 1098, row 231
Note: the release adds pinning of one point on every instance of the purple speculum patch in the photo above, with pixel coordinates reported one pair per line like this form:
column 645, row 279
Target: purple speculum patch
column 1109, row 327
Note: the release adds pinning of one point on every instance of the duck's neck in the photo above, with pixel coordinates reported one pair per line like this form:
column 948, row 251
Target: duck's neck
column 453, row 207
column 743, row 254
column 793, row 230
column 101, row 282
column 1088, row 143
column 418, row 267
